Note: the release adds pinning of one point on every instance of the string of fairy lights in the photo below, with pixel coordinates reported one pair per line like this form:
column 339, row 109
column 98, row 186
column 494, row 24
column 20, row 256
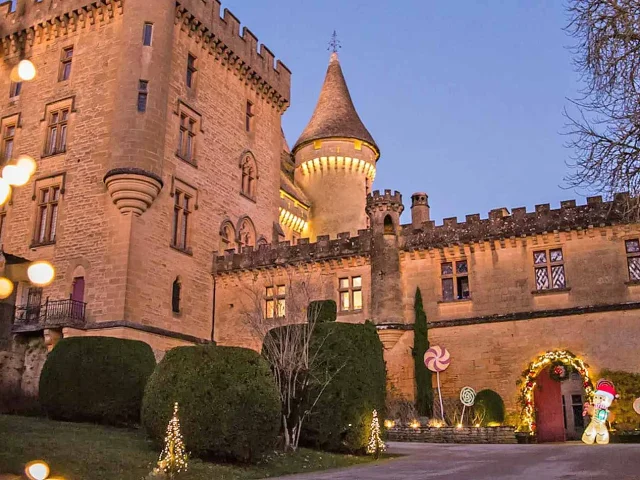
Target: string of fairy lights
column 528, row 423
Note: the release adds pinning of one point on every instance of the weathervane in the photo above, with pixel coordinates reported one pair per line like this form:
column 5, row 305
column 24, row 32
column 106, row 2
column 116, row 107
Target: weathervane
column 334, row 44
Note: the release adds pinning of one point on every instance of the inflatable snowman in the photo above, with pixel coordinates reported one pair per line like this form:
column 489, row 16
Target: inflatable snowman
column 597, row 430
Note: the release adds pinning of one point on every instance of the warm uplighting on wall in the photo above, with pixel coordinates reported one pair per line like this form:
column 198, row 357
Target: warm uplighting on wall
column 25, row 71
column 37, row 470
column 389, row 424
column 41, row 273
column 334, row 163
column 6, row 288
column 414, row 424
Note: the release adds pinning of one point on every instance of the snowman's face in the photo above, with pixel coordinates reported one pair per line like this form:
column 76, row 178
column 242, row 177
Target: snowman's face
column 601, row 401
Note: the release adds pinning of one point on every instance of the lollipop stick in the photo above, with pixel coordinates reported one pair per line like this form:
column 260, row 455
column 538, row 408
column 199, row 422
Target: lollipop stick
column 440, row 396
column 462, row 416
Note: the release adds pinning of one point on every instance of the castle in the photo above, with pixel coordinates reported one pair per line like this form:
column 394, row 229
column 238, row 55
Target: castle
column 166, row 189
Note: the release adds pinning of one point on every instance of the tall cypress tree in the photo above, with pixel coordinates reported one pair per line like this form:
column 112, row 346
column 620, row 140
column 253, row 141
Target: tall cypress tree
column 424, row 391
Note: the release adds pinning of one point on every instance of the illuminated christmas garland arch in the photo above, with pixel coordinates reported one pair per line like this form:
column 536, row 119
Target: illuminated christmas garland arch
column 528, row 422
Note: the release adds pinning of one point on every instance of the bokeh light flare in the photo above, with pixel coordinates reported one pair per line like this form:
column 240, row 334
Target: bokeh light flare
column 15, row 175
column 41, row 273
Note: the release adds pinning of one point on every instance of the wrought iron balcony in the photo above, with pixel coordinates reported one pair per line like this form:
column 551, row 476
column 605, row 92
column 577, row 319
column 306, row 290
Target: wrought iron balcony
column 52, row 313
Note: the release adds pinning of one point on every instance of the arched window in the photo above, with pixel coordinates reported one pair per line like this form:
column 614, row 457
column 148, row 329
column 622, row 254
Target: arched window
column 246, row 233
column 175, row 295
column 227, row 237
column 388, row 225
column 249, row 176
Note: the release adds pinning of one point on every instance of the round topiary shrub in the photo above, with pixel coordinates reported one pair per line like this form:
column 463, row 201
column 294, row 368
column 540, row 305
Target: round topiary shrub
column 490, row 407
column 229, row 404
column 322, row 311
column 341, row 419
column 96, row 379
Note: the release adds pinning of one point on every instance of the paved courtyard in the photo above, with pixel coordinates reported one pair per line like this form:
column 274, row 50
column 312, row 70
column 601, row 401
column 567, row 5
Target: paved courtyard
column 496, row 462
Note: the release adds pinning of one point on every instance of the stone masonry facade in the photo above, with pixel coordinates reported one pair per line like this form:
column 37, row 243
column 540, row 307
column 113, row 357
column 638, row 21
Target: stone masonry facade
column 179, row 201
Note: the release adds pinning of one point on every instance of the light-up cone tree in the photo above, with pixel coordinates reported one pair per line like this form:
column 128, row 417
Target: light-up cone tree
column 375, row 445
column 173, row 459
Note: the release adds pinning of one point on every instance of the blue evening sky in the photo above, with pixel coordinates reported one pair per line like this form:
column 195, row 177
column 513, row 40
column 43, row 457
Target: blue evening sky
column 464, row 98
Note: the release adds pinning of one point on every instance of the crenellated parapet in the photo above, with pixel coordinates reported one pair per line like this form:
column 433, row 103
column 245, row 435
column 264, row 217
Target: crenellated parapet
column 283, row 253
column 503, row 224
column 37, row 22
column 385, row 201
column 221, row 37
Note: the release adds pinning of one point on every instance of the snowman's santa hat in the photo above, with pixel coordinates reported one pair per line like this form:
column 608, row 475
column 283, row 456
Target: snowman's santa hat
column 606, row 388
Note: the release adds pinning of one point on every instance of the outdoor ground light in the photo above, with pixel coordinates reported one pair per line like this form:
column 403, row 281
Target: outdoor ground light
column 6, row 288
column 16, row 176
column 37, row 470
column 41, row 273
column 25, row 71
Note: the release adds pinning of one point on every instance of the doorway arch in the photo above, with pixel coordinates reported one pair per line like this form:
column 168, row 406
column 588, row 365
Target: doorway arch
column 527, row 417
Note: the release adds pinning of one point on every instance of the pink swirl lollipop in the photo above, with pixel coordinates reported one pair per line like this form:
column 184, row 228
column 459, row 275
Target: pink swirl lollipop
column 437, row 359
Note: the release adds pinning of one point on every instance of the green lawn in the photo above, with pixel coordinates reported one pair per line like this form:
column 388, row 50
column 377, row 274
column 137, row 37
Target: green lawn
column 78, row 451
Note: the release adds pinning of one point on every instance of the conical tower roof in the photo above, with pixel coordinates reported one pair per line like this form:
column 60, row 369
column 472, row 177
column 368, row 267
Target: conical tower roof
column 335, row 115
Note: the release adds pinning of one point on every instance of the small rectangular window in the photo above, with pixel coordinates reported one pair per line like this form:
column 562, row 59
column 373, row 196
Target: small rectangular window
column 143, row 92
column 191, row 70
column 57, row 132
column 65, row 64
column 455, row 283
column 549, row 269
column 181, row 213
column 187, row 138
column 275, row 301
column 147, row 34
column 249, row 116
column 632, row 248
column 47, row 219
column 14, row 89
column 350, row 294
column 8, row 139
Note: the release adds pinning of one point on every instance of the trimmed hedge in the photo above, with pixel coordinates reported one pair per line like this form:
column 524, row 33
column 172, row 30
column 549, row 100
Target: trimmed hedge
column 328, row 310
column 624, row 417
column 341, row 419
column 229, row 404
column 489, row 403
column 96, row 379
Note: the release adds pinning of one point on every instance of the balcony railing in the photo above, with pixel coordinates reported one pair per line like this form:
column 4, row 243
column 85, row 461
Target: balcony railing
column 52, row 313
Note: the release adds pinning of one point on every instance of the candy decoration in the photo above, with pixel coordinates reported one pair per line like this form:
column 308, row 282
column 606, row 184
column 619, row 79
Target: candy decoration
column 636, row 405
column 437, row 359
column 467, row 396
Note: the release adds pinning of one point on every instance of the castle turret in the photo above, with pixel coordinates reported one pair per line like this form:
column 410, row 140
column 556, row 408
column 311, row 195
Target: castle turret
column 335, row 160
column 419, row 209
column 384, row 211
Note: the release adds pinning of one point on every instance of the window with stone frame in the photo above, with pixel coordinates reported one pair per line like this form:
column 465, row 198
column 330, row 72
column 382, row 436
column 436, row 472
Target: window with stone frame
column 350, row 293
column 143, row 95
column 14, row 89
column 248, row 123
column 249, row 176
column 147, row 34
column 182, row 209
column 227, row 237
column 66, row 58
column 47, row 195
column 191, row 71
column 187, row 139
column 275, row 301
column 9, row 126
column 57, row 129
column 632, row 248
column 455, row 280
column 549, row 269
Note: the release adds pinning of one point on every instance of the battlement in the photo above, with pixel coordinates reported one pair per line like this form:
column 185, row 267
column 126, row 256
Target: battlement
column 240, row 52
column 283, row 253
column 501, row 224
column 386, row 199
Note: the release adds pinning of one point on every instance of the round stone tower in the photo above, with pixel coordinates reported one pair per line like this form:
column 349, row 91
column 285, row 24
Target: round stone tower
column 384, row 210
column 336, row 160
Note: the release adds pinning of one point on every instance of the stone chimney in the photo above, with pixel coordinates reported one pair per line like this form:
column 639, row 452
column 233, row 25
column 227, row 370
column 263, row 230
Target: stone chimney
column 419, row 209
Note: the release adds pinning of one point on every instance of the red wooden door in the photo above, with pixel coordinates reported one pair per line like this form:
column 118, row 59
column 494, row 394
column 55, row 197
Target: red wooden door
column 549, row 413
